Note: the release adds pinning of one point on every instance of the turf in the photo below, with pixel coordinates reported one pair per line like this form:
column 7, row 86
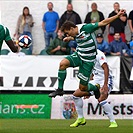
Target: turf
column 62, row 126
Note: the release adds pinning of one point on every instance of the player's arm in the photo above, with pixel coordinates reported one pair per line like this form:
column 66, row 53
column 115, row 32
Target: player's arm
column 12, row 46
column 109, row 20
column 106, row 75
column 9, row 42
column 68, row 38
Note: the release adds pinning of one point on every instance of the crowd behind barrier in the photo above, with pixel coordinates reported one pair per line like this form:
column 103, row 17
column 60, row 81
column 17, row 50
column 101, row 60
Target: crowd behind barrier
column 25, row 23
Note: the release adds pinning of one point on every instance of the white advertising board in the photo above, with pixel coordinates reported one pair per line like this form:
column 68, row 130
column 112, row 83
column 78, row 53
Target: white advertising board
column 40, row 73
column 64, row 107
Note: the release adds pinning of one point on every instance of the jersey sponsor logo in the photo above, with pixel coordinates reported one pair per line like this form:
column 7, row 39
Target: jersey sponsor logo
column 102, row 58
column 81, row 37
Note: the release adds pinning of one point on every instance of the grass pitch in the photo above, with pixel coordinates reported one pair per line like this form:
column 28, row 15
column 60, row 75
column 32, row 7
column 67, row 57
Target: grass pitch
column 62, row 126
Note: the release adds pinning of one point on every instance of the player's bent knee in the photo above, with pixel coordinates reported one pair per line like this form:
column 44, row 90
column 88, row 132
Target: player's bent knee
column 64, row 64
column 79, row 93
column 82, row 87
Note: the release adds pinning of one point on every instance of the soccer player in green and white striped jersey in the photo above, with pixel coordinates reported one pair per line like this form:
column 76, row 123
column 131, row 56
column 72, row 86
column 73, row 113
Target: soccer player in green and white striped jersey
column 5, row 36
column 85, row 54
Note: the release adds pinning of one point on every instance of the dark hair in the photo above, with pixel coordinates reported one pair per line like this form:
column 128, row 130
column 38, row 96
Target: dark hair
column 50, row 3
column 67, row 26
column 94, row 4
column 116, row 3
column 117, row 33
column 27, row 9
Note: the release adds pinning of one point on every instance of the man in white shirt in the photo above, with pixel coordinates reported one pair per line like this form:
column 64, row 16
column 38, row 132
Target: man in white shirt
column 100, row 75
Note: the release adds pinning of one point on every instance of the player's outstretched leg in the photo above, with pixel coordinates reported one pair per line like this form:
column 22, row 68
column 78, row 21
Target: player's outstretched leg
column 64, row 64
column 61, row 78
column 59, row 92
column 79, row 108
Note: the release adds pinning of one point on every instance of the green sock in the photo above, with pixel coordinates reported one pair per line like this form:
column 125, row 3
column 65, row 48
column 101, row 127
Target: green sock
column 92, row 87
column 61, row 78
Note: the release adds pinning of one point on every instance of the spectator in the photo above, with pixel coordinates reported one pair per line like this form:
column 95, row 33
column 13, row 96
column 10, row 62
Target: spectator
column 50, row 23
column 118, row 25
column 131, row 45
column 74, row 17
column 102, row 45
column 24, row 25
column 130, row 21
column 95, row 16
column 118, row 47
column 70, row 15
column 58, row 46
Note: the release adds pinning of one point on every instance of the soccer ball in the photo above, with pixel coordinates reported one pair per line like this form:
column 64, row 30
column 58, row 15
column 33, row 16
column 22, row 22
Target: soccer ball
column 24, row 41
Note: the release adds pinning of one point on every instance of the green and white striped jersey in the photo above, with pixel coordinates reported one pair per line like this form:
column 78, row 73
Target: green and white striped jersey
column 4, row 35
column 86, row 42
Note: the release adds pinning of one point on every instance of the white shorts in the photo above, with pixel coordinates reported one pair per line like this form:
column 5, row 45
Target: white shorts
column 110, row 87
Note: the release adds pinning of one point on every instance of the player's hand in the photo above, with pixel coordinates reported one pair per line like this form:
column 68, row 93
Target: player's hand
column 68, row 38
column 121, row 12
